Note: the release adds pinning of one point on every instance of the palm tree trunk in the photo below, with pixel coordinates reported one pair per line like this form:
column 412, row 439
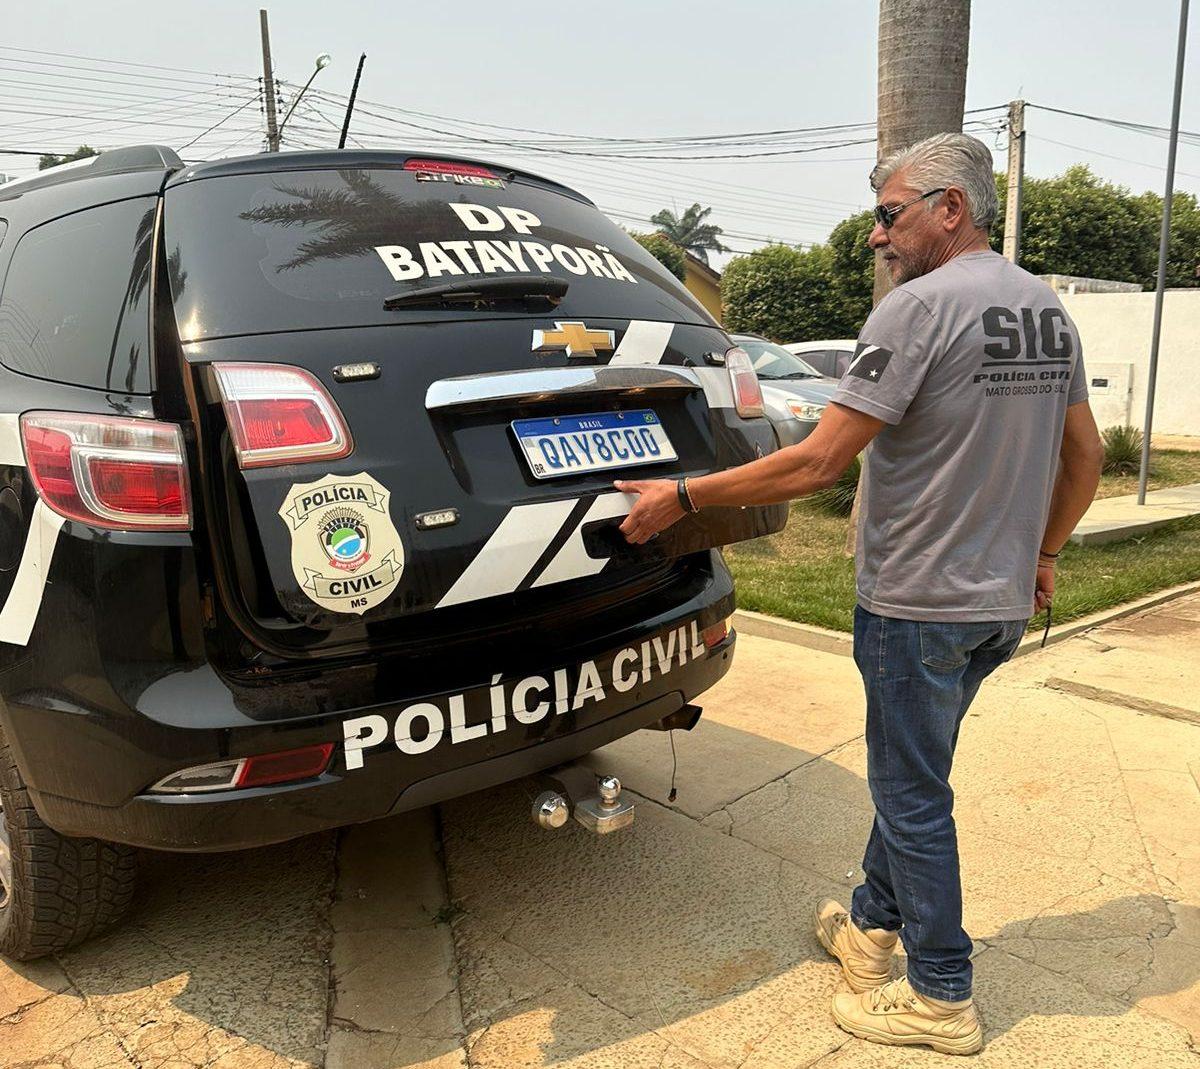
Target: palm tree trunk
column 923, row 48
column 922, row 76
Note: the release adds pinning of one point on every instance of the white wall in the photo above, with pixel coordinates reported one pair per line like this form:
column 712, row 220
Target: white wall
column 1115, row 330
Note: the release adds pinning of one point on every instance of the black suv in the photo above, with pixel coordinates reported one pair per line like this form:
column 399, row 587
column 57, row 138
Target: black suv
column 306, row 503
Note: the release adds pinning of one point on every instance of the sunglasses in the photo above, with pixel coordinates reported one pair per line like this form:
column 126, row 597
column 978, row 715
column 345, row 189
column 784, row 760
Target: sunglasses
column 885, row 216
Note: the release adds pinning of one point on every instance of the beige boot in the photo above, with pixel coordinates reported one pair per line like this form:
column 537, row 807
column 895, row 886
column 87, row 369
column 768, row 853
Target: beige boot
column 896, row 1015
column 866, row 957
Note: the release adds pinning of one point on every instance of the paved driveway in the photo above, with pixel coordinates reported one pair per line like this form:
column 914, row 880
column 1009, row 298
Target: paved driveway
column 468, row 937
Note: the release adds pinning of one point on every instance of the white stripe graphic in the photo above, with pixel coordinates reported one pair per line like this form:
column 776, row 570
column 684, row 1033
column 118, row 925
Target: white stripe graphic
column 572, row 561
column 717, row 387
column 511, row 552
column 644, row 342
column 854, row 363
column 10, row 440
column 25, row 598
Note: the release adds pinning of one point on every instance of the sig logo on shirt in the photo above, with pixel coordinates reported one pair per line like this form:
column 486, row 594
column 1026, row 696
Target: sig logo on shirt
column 1027, row 346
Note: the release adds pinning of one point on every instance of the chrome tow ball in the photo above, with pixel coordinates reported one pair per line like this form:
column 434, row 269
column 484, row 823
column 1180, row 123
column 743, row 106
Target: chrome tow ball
column 550, row 810
column 607, row 811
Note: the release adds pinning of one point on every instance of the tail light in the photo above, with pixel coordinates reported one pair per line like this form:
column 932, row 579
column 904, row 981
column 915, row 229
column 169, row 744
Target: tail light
column 261, row 770
column 715, row 634
column 280, row 415
column 747, row 394
column 109, row 471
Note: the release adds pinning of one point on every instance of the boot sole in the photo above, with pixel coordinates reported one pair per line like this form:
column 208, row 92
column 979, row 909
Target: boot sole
column 857, row 984
column 968, row 1044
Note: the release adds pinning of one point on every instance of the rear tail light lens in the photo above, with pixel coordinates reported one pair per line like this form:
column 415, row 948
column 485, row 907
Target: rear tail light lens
column 715, row 635
column 262, row 770
column 747, row 394
column 280, row 415
column 109, row 471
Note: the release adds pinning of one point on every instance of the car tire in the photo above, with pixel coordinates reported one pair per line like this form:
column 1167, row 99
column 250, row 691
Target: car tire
column 55, row 891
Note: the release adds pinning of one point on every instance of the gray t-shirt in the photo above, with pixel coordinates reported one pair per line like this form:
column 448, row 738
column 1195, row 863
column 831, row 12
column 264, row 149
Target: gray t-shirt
column 972, row 366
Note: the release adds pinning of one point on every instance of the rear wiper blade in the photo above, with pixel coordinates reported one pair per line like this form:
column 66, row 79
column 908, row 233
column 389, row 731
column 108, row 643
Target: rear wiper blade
column 484, row 290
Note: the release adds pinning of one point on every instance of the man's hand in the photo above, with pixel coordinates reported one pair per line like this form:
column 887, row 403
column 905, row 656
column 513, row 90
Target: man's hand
column 1043, row 588
column 656, row 508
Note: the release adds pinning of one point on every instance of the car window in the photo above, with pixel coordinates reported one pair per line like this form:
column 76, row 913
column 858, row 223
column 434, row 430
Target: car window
column 75, row 305
column 773, row 361
column 262, row 252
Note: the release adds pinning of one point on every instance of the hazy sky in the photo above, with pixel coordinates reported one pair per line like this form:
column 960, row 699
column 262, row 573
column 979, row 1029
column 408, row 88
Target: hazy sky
column 610, row 69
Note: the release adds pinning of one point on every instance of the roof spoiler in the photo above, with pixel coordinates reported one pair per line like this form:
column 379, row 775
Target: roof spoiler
column 111, row 161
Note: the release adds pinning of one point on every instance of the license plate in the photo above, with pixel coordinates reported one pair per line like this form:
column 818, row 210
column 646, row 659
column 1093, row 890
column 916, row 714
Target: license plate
column 569, row 445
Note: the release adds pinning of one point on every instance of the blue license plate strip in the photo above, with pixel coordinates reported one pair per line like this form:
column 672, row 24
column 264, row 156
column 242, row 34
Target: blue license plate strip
column 596, row 441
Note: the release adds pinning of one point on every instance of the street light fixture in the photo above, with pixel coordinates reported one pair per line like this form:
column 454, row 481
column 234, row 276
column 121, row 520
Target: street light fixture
column 323, row 61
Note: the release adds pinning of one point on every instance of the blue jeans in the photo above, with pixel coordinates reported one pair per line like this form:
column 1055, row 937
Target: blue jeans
column 920, row 679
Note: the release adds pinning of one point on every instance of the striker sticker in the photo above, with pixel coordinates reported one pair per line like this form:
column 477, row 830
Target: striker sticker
column 346, row 552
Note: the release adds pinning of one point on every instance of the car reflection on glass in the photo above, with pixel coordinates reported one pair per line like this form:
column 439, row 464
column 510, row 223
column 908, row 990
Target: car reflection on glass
column 794, row 392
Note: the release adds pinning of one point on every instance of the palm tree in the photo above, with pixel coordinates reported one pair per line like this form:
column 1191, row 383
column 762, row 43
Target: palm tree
column 341, row 221
column 922, row 77
column 923, row 48
column 689, row 231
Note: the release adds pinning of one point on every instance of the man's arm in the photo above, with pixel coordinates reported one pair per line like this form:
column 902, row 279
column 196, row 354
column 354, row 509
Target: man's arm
column 800, row 469
column 1082, row 460
column 1082, row 456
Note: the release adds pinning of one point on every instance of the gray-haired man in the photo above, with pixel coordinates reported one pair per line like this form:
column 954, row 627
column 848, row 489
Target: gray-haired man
column 969, row 387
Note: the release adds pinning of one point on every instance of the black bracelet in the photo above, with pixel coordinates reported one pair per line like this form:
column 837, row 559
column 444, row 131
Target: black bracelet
column 1051, row 556
column 685, row 499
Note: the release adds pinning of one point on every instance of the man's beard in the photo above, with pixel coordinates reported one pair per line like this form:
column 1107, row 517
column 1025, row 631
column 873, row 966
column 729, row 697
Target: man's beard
column 910, row 266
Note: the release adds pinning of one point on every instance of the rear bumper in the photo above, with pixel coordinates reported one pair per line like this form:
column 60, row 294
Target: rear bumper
column 89, row 769
column 241, row 819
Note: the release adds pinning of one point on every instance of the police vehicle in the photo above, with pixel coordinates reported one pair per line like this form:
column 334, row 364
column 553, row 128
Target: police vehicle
column 306, row 503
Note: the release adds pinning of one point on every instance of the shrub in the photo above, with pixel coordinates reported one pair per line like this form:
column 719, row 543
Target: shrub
column 1122, row 450
column 778, row 292
column 665, row 251
column 838, row 499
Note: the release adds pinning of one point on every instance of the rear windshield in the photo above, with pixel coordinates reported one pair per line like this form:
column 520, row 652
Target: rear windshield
column 298, row 250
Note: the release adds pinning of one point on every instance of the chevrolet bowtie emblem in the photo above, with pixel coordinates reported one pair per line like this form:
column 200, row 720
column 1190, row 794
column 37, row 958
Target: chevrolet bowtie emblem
column 575, row 338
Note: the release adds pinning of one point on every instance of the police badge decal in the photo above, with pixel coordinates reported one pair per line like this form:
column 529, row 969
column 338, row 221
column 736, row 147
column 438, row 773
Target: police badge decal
column 346, row 552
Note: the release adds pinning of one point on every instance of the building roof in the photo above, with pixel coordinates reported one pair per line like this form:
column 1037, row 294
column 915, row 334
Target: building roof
column 694, row 263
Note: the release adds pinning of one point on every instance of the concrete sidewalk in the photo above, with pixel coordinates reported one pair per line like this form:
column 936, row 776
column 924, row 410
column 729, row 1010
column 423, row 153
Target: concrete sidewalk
column 1111, row 519
column 471, row 938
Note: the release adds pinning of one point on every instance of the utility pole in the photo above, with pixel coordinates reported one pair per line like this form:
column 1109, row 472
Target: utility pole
column 268, row 83
column 1164, row 240
column 1016, row 178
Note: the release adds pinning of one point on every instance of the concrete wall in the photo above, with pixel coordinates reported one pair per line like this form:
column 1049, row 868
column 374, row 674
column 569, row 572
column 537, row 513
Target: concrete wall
column 1078, row 284
column 1115, row 329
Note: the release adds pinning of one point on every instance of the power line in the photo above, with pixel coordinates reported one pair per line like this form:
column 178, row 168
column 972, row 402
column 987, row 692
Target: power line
column 114, row 62
column 221, row 122
column 1132, row 127
column 1110, row 156
column 40, row 66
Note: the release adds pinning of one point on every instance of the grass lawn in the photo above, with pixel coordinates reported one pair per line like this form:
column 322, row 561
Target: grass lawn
column 801, row 573
column 1168, row 467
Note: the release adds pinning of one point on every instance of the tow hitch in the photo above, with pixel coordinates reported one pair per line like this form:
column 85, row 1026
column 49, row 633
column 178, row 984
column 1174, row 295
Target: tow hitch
column 595, row 801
